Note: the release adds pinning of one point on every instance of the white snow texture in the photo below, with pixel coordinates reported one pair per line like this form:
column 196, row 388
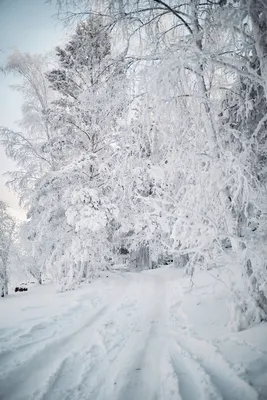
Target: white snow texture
column 143, row 336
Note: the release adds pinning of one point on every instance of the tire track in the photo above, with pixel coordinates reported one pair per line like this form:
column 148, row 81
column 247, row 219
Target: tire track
column 19, row 376
column 193, row 381
column 223, row 377
column 134, row 374
column 34, row 370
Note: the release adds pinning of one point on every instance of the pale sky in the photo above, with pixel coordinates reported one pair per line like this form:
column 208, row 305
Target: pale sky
column 29, row 26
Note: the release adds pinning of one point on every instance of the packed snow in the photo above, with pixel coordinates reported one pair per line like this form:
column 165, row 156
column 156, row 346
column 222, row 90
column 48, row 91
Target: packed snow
column 130, row 336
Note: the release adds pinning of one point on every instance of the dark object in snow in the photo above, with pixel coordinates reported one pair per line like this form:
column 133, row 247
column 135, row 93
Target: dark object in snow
column 123, row 251
column 20, row 289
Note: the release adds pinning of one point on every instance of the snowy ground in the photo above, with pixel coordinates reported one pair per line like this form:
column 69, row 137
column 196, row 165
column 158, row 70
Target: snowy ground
column 146, row 336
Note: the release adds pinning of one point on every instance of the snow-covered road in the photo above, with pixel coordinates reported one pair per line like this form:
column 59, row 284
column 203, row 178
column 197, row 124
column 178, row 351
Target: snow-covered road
column 146, row 336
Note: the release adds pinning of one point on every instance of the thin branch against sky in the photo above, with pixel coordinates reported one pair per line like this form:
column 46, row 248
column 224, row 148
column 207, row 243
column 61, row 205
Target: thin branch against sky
column 29, row 25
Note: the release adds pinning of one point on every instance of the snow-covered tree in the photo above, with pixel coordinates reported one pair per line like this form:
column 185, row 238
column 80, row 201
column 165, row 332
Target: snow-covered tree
column 7, row 227
column 203, row 76
column 28, row 147
column 29, row 264
column 71, row 212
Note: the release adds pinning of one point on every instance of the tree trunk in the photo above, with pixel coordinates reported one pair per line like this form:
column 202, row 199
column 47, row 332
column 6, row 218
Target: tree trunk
column 257, row 10
column 4, row 289
column 257, row 293
column 140, row 258
column 6, row 286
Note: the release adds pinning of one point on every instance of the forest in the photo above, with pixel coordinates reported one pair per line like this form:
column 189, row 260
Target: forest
column 142, row 144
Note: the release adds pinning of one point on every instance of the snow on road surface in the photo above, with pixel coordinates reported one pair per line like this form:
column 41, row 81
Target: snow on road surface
column 143, row 336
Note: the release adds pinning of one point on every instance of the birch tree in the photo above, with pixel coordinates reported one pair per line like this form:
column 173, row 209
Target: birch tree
column 29, row 147
column 7, row 227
